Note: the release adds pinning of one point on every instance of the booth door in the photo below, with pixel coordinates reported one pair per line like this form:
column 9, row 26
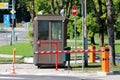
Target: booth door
column 56, row 35
column 43, row 35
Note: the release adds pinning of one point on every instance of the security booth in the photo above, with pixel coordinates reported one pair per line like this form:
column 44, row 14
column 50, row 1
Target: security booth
column 49, row 28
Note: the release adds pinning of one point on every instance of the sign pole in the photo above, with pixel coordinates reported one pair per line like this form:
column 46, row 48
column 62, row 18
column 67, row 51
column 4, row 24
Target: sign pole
column 74, row 13
column 13, row 32
column 75, row 39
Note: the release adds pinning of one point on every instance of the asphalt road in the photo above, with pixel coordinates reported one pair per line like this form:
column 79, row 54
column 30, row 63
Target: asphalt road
column 59, row 77
column 5, row 36
column 37, row 77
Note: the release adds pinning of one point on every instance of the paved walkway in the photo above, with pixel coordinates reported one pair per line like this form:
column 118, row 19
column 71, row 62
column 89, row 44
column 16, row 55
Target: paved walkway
column 31, row 69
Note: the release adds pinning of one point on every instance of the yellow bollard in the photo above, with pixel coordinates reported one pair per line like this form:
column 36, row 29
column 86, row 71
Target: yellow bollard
column 14, row 58
column 14, row 55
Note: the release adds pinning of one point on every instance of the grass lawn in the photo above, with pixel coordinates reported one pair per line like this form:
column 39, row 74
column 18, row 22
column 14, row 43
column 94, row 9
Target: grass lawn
column 23, row 49
column 93, row 67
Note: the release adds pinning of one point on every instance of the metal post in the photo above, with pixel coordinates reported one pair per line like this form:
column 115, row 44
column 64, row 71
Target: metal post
column 84, row 37
column 13, row 33
column 56, row 46
column 75, row 46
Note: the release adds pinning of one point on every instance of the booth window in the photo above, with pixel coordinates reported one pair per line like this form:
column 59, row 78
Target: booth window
column 56, row 30
column 43, row 30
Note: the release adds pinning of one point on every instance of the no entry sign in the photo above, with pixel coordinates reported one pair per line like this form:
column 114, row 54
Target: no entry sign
column 74, row 10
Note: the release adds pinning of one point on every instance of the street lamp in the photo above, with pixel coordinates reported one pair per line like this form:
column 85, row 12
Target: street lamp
column 84, row 37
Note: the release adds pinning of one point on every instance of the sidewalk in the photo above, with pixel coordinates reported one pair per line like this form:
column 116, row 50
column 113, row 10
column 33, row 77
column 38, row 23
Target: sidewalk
column 31, row 69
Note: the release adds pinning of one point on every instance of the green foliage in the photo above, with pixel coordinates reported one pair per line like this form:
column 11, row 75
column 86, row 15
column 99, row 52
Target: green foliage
column 117, row 23
column 4, row 0
column 42, row 5
column 24, row 7
column 91, row 24
column 116, row 6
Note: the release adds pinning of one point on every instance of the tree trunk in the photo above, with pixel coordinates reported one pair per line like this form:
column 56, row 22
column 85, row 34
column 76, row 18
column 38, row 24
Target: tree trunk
column 101, row 33
column 92, row 40
column 110, row 24
column 99, row 20
column 32, row 12
column 52, row 7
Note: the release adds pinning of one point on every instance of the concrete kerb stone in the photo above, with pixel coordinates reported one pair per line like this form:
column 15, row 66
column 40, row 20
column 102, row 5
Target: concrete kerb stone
column 9, row 56
column 105, row 73
column 28, row 59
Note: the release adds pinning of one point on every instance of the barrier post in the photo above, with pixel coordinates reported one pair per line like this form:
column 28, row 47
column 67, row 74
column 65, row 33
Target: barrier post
column 92, row 54
column 105, row 60
column 56, row 55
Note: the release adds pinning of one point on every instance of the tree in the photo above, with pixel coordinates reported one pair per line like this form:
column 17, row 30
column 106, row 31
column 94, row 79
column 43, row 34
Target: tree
column 110, row 24
column 99, row 13
column 101, row 16
column 92, row 27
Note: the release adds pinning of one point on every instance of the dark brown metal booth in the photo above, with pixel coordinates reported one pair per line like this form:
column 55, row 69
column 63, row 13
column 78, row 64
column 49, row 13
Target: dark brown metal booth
column 49, row 28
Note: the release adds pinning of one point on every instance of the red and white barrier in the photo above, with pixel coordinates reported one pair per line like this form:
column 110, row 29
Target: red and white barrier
column 67, row 51
column 61, row 52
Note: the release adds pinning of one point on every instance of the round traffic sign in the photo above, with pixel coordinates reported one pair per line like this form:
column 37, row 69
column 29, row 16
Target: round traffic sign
column 74, row 10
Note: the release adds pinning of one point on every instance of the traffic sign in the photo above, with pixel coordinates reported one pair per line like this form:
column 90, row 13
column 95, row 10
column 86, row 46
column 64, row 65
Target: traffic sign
column 13, row 16
column 6, row 20
column 74, row 10
column 4, row 5
column 13, row 11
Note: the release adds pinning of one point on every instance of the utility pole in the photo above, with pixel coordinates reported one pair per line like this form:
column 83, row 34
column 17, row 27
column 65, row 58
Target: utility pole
column 84, row 37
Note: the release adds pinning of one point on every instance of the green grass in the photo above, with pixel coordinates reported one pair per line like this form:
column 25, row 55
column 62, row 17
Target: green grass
column 23, row 49
column 93, row 67
column 9, row 60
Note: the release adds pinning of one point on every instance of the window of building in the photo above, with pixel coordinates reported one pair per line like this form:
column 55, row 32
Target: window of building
column 56, row 27
column 43, row 30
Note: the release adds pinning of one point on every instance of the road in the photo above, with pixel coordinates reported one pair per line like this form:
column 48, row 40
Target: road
column 36, row 77
column 5, row 36
column 56, row 77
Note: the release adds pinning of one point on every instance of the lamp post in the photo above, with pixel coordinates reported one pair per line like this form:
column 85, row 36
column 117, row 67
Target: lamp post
column 84, row 37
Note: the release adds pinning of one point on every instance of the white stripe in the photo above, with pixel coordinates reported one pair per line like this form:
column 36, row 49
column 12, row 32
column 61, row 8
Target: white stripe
column 74, row 10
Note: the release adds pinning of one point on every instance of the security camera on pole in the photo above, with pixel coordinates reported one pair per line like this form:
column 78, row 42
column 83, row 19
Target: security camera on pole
column 74, row 13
